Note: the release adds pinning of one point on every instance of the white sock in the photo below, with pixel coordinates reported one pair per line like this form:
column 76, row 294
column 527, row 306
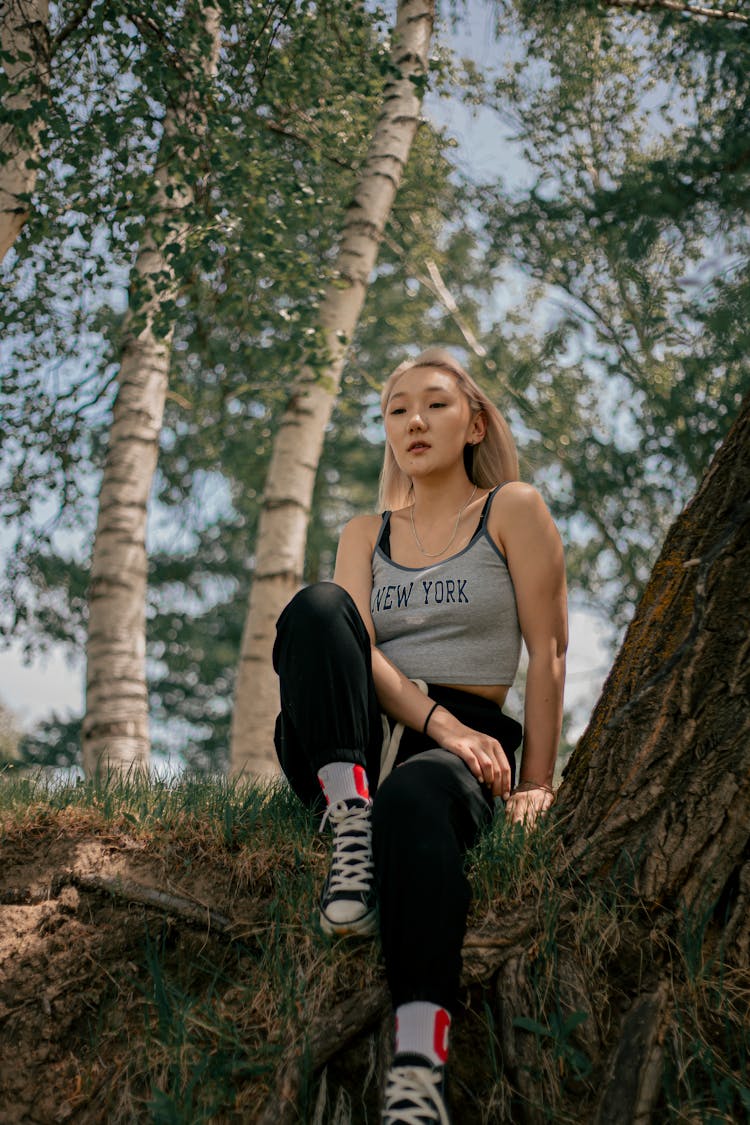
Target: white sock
column 422, row 1029
column 343, row 781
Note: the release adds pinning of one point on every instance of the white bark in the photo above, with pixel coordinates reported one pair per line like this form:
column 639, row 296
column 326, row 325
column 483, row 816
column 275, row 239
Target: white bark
column 24, row 37
column 286, row 504
column 115, row 726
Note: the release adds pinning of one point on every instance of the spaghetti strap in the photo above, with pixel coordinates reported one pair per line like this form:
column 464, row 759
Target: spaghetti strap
column 488, row 502
column 384, row 535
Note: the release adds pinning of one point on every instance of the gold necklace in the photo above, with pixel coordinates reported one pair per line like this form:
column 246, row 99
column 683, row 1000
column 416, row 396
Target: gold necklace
column 434, row 554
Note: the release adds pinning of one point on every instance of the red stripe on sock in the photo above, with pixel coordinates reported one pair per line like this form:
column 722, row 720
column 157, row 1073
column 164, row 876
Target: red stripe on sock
column 440, row 1042
column 360, row 782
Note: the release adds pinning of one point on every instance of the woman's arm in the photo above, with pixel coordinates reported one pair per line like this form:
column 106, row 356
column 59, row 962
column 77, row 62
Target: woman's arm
column 532, row 546
column 398, row 696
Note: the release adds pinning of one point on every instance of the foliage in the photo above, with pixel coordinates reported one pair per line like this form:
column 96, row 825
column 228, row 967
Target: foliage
column 285, row 134
column 620, row 269
column 297, row 97
column 629, row 351
column 54, row 742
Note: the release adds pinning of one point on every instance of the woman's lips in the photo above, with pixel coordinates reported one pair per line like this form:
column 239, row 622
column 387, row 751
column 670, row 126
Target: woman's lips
column 418, row 447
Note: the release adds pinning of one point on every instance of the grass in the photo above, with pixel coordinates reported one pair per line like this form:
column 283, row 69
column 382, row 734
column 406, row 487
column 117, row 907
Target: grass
column 195, row 1026
column 192, row 1026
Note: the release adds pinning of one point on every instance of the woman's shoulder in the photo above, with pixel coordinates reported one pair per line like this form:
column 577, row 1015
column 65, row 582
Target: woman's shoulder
column 517, row 495
column 518, row 510
column 362, row 531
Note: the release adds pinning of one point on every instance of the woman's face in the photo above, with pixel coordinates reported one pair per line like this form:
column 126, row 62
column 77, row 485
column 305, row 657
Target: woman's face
column 428, row 421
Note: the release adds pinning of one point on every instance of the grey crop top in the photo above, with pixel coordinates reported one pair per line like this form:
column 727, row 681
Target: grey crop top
column 454, row 622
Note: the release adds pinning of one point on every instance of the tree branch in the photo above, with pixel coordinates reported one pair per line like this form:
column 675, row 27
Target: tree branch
column 676, row 6
column 147, row 896
column 72, row 25
column 282, row 131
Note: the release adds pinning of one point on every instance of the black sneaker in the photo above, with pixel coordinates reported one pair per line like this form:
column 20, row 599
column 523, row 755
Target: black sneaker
column 414, row 1093
column 347, row 903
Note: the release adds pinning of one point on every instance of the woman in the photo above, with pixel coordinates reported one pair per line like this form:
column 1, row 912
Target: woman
column 421, row 629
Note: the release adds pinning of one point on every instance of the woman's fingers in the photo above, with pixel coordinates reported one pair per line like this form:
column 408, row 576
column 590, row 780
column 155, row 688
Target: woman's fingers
column 486, row 759
column 497, row 775
column 490, row 766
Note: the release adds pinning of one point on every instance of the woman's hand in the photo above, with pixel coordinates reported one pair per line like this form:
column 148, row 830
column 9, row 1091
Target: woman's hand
column 483, row 755
column 528, row 802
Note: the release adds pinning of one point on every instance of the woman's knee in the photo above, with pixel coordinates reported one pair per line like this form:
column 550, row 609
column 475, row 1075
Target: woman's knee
column 315, row 607
column 319, row 618
column 317, row 601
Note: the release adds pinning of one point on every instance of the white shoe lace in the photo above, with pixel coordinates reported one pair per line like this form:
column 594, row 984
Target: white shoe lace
column 351, row 866
column 418, row 1088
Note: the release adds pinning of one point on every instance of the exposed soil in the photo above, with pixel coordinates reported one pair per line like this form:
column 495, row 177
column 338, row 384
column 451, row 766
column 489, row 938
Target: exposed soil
column 68, row 955
column 79, row 995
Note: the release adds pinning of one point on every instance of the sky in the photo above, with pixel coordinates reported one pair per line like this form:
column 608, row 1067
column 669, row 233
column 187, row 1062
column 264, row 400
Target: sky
column 54, row 682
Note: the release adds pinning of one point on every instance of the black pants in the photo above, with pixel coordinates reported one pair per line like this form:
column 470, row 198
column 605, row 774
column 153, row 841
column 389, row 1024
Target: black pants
column 425, row 815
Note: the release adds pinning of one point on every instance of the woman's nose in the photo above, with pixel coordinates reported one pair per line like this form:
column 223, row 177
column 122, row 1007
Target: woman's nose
column 416, row 421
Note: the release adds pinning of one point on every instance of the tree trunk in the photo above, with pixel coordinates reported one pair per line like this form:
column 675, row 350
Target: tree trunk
column 654, row 816
column 24, row 39
column 287, row 500
column 662, row 773
column 115, row 726
column 621, row 964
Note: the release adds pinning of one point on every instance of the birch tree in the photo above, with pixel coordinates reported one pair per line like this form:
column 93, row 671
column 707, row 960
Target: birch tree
column 25, row 61
column 115, row 726
column 297, row 447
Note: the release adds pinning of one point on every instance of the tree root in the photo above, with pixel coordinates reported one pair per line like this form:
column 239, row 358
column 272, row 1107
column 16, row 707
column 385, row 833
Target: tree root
column 146, row 896
column 633, row 1083
column 129, row 891
column 328, row 1035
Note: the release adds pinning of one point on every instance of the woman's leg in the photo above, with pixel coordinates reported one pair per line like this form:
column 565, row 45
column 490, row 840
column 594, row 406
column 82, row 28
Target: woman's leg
column 329, row 710
column 426, row 815
column 328, row 738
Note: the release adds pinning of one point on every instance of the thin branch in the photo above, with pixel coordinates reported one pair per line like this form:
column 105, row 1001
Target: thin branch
column 676, row 6
column 292, row 136
column 251, row 46
column 449, row 303
column 436, row 285
column 72, row 25
column 147, row 896
column 262, row 71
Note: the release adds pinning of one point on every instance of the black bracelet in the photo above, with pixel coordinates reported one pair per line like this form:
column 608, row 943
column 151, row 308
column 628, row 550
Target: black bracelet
column 429, row 716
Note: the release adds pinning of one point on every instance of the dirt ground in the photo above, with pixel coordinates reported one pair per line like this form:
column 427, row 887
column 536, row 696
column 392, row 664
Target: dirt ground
column 66, row 951
column 76, row 985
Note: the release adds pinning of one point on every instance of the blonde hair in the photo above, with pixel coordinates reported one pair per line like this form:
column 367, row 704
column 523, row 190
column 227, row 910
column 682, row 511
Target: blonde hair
column 494, row 458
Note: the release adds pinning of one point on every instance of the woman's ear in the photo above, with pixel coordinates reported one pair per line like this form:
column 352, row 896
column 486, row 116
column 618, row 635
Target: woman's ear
column 478, row 428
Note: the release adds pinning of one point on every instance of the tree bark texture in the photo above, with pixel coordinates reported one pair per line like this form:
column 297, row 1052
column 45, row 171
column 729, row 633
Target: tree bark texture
column 285, row 511
column 660, row 781
column 654, row 811
column 24, row 38
column 628, row 940
column 115, row 726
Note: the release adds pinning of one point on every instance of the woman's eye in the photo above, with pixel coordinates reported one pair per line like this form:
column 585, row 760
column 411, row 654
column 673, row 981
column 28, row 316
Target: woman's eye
column 434, row 404
column 398, row 410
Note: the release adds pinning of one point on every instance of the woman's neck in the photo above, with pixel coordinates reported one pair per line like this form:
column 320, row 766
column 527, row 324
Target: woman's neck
column 434, row 496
